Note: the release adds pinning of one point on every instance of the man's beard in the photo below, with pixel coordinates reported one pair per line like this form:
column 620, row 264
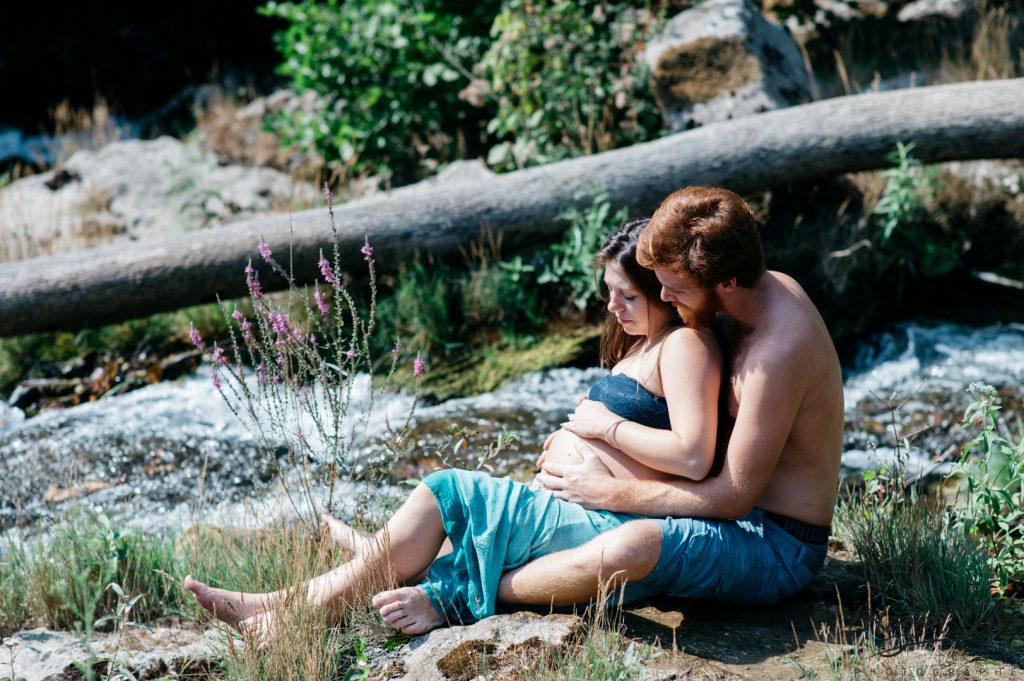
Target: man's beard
column 700, row 317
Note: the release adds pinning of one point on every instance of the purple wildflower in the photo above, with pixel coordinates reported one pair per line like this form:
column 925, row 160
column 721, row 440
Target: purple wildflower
column 418, row 366
column 237, row 315
column 328, row 194
column 255, row 290
column 261, row 372
column 299, row 334
column 279, row 322
column 312, row 340
column 264, row 250
column 326, row 272
column 325, row 379
column 321, row 305
column 197, row 340
column 304, row 394
column 351, row 353
column 367, row 252
column 215, row 377
column 218, row 355
column 247, row 332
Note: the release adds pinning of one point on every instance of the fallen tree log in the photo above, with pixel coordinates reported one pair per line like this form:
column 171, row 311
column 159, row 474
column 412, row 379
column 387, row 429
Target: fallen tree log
column 89, row 288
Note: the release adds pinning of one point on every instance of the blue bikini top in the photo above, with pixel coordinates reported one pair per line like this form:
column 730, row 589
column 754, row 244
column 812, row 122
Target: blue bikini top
column 625, row 397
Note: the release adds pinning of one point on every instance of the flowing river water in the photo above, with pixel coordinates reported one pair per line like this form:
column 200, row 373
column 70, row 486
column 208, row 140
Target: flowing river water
column 154, row 456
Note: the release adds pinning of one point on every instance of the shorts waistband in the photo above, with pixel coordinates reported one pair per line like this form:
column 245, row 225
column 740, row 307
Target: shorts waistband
column 805, row 532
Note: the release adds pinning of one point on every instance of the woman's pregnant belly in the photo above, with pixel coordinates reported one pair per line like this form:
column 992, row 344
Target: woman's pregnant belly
column 566, row 447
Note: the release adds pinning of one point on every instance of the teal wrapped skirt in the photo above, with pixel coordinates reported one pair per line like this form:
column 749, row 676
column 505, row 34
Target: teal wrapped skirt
column 496, row 525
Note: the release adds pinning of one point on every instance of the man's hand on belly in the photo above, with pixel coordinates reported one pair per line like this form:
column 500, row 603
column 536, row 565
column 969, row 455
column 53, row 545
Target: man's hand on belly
column 586, row 484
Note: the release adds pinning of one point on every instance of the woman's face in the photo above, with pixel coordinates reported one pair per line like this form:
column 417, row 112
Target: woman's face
column 632, row 310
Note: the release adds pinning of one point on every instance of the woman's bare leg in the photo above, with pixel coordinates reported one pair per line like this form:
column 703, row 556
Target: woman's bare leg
column 355, row 541
column 413, row 537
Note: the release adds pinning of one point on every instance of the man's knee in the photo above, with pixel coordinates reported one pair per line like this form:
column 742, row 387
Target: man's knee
column 630, row 551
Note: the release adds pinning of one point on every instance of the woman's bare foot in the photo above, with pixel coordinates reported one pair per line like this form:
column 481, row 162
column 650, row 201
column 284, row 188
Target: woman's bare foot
column 230, row 607
column 408, row 610
column 346, row 536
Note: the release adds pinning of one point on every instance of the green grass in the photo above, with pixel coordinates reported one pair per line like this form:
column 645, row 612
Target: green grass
column 916, row 562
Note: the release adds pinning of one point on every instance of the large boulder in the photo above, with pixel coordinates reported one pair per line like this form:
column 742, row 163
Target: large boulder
column 147, row 653
column 722, row 59
column 460, row 652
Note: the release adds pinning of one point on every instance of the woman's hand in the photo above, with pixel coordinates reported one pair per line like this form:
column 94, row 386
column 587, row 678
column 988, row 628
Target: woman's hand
column 591, row 420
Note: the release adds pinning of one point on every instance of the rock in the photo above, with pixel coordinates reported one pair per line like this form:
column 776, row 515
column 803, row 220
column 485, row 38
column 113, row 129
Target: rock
column 55, row 494
column 9, row 416
column 461, row 652
column 28, row 393
column 137, row 189
column 179, row 365
column 240, row 136
column 722, row 59
column 1005, row 176
column 43, row 655
column 925, row 9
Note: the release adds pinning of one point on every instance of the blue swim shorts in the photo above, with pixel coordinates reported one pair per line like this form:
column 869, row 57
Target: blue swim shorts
column 752, row 560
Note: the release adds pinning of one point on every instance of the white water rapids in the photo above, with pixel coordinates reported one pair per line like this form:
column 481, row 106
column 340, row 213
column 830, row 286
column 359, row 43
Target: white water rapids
column 149, row 453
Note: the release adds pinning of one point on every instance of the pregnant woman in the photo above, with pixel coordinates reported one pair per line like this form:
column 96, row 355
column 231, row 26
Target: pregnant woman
column 654, row 415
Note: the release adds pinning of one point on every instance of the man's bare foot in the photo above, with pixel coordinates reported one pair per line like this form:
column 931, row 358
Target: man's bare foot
column 229, row 607
column 346, row 536
column 408, row 610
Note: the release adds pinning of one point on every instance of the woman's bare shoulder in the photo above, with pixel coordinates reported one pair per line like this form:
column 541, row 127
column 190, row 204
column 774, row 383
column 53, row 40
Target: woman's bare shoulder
column 688, row 338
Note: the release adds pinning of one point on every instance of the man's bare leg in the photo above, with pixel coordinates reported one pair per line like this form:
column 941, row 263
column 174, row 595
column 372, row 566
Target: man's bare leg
column 627, row 553
column 414, row 535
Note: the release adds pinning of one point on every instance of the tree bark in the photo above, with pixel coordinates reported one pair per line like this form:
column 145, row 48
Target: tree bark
column 979, row 120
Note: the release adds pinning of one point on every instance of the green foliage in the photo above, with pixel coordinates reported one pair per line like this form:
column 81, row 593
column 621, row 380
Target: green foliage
column 916, row 557
column 497, row 305
column 569, row 78
column 993, row 466
column 14, row 609
column 36, row 355
column 388, row 74
column 449, row 311
column 66, row 584
column 908, row 237
column 404, row 86
column 572, row 260
column 916, row 560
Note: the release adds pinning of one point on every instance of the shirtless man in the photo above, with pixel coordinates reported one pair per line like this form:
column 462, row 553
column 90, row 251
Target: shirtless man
column 758, row 531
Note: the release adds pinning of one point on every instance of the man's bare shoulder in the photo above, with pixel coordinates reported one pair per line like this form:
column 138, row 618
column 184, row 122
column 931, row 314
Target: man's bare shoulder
column 792, row 341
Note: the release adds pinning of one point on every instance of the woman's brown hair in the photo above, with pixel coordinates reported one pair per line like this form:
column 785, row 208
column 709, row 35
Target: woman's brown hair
column 621, row 248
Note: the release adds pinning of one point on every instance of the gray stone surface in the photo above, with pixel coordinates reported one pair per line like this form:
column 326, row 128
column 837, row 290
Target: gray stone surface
column 924, row 9
column 454, row 652
column 43, row 655
column 722, row 59
column 134, row 190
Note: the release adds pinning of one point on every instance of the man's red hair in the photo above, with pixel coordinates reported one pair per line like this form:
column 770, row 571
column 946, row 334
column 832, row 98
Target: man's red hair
column 705, row 233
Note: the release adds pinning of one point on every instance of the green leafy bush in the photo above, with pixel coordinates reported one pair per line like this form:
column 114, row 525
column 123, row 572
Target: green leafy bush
column 993, row 466
column 388, row 75
column 571, row 261
column 405, row 86
column 909, row 238
column 569, row 79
